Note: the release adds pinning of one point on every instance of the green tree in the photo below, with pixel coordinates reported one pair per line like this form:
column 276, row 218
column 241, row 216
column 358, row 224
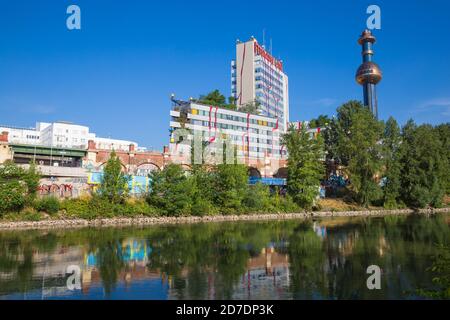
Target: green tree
column 305, row 165
column 18, row 186
column 214, row 98
column 330, row 136
column 171, row 191
column 424, row 166
column 359, row 147
column 250, row 107
column 114, row 184
column 202, row 190
column 443, row 131
column 391, row 157
column 231, row 183
column 258, row 199
column 320, row 122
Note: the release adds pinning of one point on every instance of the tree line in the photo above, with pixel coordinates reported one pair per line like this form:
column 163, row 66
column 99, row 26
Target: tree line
column 387, row 166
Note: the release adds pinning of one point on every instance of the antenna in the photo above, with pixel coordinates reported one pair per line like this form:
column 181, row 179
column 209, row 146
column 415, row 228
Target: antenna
column 264, row 38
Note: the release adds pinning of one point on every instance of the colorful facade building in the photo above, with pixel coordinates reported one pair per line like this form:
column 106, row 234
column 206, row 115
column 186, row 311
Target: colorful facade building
column 254, row 139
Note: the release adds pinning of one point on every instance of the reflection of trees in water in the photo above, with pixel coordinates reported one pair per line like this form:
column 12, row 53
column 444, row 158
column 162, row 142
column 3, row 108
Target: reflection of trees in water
column 209, row 260
column 16, row 258
column 400, row 245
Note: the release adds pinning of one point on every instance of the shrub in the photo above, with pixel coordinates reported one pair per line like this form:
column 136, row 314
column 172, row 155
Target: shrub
column 12, row 196
column 257, row 198
column 203, row 207
column 171, row 191
column 30, row 214
column 49, row 205
column 135, row 207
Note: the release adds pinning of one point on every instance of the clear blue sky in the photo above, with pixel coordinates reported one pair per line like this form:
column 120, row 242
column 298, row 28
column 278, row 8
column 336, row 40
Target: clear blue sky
column 116, row 73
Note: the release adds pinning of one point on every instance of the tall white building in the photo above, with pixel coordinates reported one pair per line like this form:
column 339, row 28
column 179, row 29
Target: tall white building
column 257, row 76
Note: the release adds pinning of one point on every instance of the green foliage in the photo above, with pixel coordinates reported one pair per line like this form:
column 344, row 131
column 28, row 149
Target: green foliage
column 305, row 166
column 215, row 98
column 114, row 185
column 391, row 157
column 171, row 191
column 98, row 207
column 443, row 131
column 202, row 191
column 440, row 269
column 359, row 147
column 136, row 208
column 425, row 167
column 258, row 199
column 48, row 204
column 29, row 214
column 320, row 122
column 231, row 183
column 12, row 196
column 250, row 107
column 17, row 186
column 31, row 178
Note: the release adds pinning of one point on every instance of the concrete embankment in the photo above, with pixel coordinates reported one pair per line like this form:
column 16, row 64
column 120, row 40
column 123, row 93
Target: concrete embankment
column 141, row 221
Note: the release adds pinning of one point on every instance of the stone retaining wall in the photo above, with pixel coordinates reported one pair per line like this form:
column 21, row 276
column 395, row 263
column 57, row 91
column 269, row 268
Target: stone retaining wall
column 140, row 221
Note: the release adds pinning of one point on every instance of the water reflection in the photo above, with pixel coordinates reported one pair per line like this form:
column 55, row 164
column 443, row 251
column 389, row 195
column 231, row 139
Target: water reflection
column 323, row 259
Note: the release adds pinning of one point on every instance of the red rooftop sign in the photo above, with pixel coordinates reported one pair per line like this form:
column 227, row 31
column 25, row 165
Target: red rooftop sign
column 260, row 51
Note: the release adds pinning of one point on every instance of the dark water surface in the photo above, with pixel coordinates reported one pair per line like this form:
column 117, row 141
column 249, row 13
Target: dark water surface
column 321, row 259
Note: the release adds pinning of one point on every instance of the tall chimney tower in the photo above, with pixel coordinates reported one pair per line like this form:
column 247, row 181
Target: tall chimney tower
column 369, row 73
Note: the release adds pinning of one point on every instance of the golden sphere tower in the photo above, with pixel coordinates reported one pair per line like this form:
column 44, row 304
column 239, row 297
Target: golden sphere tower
column 369, row 73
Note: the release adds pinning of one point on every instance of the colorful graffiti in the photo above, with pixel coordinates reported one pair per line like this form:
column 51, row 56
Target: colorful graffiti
column 61, row 190
column 136, row 184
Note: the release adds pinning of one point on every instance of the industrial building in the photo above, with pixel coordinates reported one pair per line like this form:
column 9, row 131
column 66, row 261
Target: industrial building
column 256, row 76
column 254, row 135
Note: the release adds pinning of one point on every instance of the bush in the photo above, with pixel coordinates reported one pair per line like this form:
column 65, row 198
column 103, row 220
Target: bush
column 135, row 207
column 49, row 205
column 257, row 198
column 171, row 191
column 88, row 208
column 12, row 196
column 29, row 214
column 203, row 207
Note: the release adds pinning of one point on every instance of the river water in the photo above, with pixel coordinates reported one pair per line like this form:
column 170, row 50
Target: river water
column 316, row 259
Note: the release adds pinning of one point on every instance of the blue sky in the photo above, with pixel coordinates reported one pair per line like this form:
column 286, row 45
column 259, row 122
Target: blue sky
column 116, row 74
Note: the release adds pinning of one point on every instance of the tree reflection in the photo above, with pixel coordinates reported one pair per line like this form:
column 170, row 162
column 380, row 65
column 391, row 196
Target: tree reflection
column 233, row 260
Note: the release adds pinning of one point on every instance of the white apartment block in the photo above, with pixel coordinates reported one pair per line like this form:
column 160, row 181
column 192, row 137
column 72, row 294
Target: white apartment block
column 22, row 135
column 257, row 76
column 255, row 136
column 63, row 135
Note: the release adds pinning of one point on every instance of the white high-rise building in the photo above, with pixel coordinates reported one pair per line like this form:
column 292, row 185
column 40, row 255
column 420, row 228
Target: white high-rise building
column 257, row 76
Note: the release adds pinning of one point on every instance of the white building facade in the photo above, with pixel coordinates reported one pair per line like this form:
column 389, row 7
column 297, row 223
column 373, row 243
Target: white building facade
column 254, row 136
column 63, row 135
column 257, row 76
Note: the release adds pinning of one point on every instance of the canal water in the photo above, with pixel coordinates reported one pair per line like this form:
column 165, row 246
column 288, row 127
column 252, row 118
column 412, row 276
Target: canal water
column 317, row 259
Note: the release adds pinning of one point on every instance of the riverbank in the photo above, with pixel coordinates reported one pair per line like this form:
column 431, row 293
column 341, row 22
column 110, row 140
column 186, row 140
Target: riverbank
column 143, row 221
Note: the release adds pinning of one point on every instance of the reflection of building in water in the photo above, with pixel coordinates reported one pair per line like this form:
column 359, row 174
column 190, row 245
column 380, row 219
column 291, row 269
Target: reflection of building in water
column 340, row 246
column 134, row 254
column 266, row 275
column 320, row 230
column 49, row 278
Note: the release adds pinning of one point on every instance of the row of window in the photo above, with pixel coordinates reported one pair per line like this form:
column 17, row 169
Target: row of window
column 232, row 118
column 232, row 127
